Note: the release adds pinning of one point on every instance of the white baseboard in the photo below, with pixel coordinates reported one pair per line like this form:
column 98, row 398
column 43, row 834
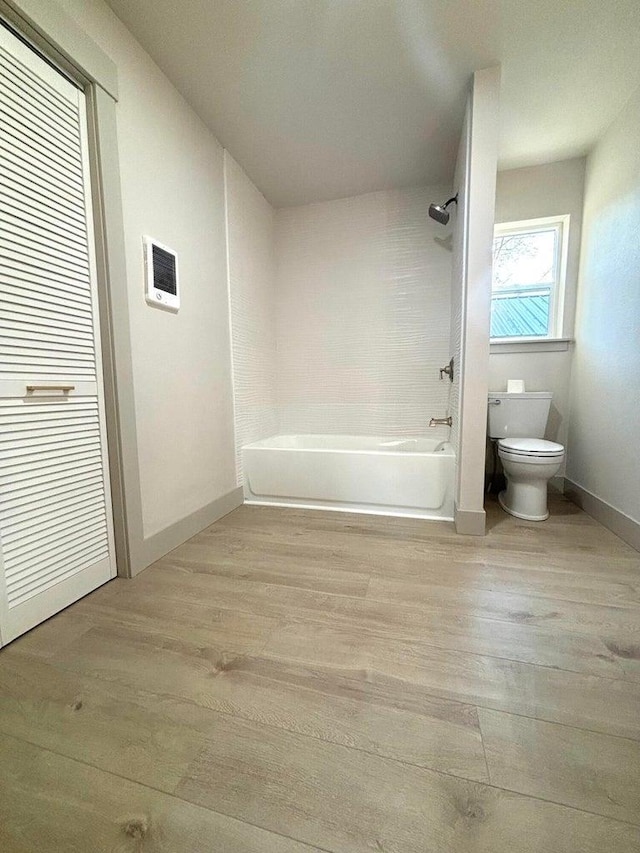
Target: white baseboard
column 622, row 525
column 156, row 546
column 470, row 522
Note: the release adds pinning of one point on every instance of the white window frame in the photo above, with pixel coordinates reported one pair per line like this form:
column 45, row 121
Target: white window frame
column 558, row 292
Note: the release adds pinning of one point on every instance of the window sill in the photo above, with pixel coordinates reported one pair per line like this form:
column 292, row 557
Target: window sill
column 531, row 345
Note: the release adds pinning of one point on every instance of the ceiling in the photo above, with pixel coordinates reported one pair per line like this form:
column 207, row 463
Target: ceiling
column 321, row 99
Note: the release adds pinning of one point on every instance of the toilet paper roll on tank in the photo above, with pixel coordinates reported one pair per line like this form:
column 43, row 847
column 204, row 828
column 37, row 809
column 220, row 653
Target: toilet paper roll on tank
column 515, row 386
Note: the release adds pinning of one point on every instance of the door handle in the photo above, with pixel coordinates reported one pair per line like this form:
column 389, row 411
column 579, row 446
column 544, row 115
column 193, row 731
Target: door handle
column 64, row 388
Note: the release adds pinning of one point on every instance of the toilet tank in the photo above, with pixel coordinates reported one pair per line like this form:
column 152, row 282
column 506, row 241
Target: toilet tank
column 518, row 415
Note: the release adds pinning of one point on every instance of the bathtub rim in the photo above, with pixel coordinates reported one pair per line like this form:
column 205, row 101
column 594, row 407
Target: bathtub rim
column 447, row 450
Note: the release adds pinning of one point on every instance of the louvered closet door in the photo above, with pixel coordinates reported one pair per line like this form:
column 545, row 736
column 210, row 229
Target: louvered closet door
column 56, row 539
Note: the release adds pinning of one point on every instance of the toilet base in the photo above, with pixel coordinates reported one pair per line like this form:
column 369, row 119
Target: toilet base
column 502, row 501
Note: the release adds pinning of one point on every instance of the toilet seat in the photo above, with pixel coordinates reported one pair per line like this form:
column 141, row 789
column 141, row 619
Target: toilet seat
column 530, row 448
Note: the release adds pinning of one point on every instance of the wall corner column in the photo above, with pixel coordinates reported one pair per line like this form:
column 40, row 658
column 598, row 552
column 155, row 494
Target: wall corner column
column 478, row 163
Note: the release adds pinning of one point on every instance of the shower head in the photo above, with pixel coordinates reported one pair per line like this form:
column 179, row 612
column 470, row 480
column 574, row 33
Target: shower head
column 439, row 212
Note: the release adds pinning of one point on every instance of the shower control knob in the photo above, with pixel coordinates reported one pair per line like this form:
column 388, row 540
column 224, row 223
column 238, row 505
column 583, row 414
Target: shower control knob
column 448, row 369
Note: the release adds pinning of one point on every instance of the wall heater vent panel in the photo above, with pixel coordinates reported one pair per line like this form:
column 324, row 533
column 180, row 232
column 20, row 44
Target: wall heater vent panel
column 161, row 273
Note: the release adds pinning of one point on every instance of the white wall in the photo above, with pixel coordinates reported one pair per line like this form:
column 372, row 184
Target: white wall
column 548, row 190
column 541, row 371
column 458, row 280
column 251, row 256
column 471, row 286
column 363, row 315
column 172, row 189
column 551, row 189
column 604, row 431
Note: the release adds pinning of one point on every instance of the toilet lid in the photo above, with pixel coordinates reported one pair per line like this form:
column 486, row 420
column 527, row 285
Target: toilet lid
column 531, row 446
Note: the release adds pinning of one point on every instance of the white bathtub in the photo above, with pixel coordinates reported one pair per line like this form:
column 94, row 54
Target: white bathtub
column 385, row 476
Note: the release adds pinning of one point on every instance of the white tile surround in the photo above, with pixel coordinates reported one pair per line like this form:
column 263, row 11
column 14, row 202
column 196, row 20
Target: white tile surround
column 340, row 313
column 363, row 315
column 250, row 249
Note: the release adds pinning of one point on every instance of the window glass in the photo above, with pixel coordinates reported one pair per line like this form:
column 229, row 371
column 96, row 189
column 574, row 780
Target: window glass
column 526, row 280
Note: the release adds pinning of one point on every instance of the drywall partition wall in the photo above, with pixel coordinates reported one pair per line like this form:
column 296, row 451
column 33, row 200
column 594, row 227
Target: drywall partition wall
column 603, row 465
column 458, row 281
column 363, row 315
column 476, row 187
column 547, row 190
column 173, row 189
column 251, row 263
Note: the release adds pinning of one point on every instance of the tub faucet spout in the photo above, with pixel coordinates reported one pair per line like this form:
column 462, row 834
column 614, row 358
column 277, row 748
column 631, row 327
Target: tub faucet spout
column 440, row 422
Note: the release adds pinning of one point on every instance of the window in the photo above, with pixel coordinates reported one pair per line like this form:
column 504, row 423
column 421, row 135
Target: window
column 527, row 291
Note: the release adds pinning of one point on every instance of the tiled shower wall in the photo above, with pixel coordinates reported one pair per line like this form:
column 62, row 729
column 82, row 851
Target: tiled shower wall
column 363, row 315
column 340, row 313
column 250, row 255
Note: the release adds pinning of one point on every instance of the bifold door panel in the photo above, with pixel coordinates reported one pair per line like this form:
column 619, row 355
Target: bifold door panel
column 56, row 537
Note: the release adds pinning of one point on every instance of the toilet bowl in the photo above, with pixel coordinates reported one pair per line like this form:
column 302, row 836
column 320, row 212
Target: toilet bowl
column 529, row 464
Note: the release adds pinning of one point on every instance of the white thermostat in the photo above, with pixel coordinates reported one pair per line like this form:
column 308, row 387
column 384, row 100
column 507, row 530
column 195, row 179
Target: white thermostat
column 161, row 274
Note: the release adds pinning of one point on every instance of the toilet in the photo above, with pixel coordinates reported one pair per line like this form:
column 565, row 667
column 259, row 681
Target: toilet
column 518, row 422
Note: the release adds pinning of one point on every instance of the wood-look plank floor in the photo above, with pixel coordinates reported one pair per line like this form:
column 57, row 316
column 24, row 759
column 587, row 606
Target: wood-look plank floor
column 290, row 682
